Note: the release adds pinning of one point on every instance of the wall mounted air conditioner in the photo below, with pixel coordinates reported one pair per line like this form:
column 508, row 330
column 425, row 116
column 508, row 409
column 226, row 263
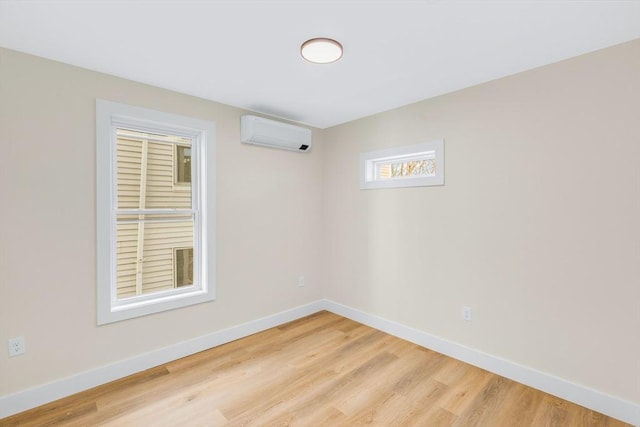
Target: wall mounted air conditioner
column 270, row 133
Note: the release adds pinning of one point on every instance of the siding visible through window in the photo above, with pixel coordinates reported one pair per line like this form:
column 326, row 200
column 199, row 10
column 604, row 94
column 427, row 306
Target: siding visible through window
column 145, row 241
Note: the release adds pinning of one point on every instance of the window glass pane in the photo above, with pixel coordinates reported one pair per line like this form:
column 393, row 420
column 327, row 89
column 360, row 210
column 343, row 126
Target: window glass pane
column 405, row 169
column 183, row 164
column 145, row 171
column 145, row 252
column 184, row 267
column 417, row 166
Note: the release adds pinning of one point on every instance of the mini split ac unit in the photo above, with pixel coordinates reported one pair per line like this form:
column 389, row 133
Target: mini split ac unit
column 270, row 133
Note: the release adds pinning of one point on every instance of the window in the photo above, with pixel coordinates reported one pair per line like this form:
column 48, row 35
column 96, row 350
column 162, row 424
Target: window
column 409, row 166
column 182, row 165
column 183, row 267
column 155, row 240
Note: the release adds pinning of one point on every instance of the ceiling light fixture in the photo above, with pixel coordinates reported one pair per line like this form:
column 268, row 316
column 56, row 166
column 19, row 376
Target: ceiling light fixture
column 321, row 50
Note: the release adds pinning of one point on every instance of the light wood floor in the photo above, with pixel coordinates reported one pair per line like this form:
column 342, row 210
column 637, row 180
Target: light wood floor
column 323, row 370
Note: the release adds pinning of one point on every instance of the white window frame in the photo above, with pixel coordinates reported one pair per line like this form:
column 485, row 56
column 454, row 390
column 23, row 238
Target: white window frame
column 432, row 149
column 109, row 116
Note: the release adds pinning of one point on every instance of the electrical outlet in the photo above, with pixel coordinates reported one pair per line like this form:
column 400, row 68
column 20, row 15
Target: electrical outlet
column 301, row 281
column 16, row 346
column 466, row 313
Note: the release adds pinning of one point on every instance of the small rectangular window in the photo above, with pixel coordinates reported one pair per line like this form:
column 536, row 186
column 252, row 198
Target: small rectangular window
column 409, row 166
column 183, row 267
column 183, row 164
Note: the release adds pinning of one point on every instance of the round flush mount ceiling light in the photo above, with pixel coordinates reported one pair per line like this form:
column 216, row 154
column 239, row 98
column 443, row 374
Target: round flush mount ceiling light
column 321, row 50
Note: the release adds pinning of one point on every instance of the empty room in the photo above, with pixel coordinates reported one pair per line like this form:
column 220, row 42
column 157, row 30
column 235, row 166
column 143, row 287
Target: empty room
column 320, row 213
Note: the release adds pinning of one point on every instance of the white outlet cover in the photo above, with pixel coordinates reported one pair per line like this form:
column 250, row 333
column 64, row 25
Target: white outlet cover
column 16, row 346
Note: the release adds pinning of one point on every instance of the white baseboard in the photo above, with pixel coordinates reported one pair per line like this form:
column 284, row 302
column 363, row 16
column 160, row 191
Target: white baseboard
column 39, row 395
column 581, row 395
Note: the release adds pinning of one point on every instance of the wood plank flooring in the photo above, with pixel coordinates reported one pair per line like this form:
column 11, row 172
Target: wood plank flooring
column 322, row 370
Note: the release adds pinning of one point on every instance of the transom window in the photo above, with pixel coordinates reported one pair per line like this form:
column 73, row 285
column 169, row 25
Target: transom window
column 409, row 166
column 152, row 237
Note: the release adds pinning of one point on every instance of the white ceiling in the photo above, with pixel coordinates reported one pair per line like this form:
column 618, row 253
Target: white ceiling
column 246, row 53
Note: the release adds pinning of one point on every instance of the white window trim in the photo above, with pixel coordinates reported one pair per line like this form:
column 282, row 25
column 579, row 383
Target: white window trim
column 110, row 115
column 368, row 161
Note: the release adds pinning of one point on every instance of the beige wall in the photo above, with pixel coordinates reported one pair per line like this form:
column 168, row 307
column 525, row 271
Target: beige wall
column 268, row 222
column 537, row 226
